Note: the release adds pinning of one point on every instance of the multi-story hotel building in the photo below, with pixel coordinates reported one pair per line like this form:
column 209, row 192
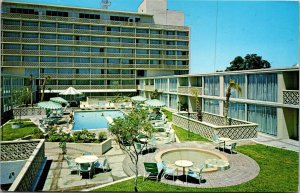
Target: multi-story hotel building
column 99, row 52
column 270, row 97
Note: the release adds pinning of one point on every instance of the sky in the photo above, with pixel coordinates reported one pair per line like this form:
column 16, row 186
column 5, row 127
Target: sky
column 222, row 30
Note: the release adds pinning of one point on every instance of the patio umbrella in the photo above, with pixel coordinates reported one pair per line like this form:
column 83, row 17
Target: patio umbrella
column 50, row 105
column 138, row 98
column 58, row 100
column 155, row 103
column 70, row 91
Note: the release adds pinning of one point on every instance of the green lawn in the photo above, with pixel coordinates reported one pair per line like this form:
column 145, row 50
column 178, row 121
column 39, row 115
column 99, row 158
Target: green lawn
column 278, row 173
column 29, row 128
column 169, row 114
column 184, row 135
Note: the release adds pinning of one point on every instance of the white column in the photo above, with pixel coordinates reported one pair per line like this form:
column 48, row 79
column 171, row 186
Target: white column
column 221, row 84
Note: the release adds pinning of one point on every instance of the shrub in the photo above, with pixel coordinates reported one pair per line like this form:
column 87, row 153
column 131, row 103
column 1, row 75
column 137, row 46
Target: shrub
column 84, row 136
column 102, row 136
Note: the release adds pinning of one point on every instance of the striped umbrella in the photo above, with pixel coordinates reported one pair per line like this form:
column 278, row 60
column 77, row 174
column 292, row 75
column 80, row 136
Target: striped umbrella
column 138, row 98
column 154, row 103
column 58, row 100
column 50, row 105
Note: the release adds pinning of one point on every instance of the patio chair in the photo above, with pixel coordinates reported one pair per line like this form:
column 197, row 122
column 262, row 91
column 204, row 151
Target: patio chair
column 87, row 153
column 231, row 147
column 102, row 164
column 195, row 174
column 152, row 144
column 139, row 147
column 72, row 165
column 85, row 168
column 151, row 170
column 167, row 171
column 217, row 141
column 171, row 138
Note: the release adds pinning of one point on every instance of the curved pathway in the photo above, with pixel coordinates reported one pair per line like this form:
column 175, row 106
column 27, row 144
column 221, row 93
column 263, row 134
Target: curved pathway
column 242, row 168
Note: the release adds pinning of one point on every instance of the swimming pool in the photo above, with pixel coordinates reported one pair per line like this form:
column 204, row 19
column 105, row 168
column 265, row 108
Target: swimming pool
column 94, row 119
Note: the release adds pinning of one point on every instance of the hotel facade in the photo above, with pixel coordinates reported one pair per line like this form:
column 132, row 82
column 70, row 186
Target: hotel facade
column 104, row 53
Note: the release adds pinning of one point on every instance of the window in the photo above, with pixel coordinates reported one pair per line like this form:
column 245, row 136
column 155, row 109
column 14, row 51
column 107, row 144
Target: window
column 127, row 61
column 141, row 41
column 114, row 29
column 11, row 58
column 57, row 13
column 211, row 106
column 97, row 82
column 138, row 51
column 127, row 30
column 118, row 18
column 49, row 48
column 137, row 19
column 155, row 32
column 182, row 62
column 50, row 70
column 48, row 36
column 95, row 71
column 89, row 16
column 154, row 52
column 82, row 49
column 170, row 52
column 81, row 82
column 155, row 42
column 182, row 53
column 84, row 71
column 239, row 79
column 113, row 61
column 11, row 46
column 82, row 60
column 97, row 39
column 65, row 71
column 23, row 11
column 65, row 37
column 182, row 43
column 127, row 51
column 182, row 33
column 154, row 62
column 10, row 22
column 143, row 31
column 142, row 61
column 98, row 28
column 113, row 71
column 170, row 62
column 30, row 35
column 113, row 50
column 211, row 85
column 64, row 25
column 11, row 34
column 97, row 60
column 170, row 42
column 113, row 39
column 86, row 27
column 97, row 49
column 170, row 33
column 30, row 23
column 65, row 48
column 48, row 59
column 30, row 47
column 65, row 59
column 127, row 40
column 43, row 24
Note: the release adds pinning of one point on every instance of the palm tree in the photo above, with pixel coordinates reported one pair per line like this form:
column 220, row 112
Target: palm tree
column 195, row 92
column 44, row 86
column 232, row 85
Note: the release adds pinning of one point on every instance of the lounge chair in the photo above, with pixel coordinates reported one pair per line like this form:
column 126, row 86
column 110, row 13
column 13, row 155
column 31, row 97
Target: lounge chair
column 217, row 141
column 72, row 165
column 195, row 174
column 102, row 164
column 231, row 147
column 151, row 170
column 152, row 143
column 171, row 138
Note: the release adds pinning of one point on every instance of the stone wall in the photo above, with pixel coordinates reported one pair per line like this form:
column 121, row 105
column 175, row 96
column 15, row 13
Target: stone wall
column 27, row 177
column 214, row 124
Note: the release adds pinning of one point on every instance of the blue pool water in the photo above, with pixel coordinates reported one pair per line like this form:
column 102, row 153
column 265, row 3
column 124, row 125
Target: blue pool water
column 94, row 119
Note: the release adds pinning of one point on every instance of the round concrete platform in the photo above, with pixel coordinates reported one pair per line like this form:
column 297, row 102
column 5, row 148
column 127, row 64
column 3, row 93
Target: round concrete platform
column 242, row 168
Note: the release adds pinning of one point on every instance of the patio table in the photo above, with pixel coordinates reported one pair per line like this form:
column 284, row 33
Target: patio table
column 184, row 164
column 86, row 159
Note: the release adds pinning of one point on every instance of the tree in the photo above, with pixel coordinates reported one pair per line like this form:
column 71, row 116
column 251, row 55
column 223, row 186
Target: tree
column 44, row 86
column 195, row 92
column 232, row 85
column 250, row 61
column 31, row 89
column 20, row 96
column 126, row 131
column 155, row 94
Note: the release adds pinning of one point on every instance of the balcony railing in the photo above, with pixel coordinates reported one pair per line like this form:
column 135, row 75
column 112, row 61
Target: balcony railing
column 149, row 87
column 87, row 87
column 188, row 90
column 291, row 97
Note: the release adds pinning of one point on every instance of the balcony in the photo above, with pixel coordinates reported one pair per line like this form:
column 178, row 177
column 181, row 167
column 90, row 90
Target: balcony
column 91, row 21
column 149, row 87
column 291, row 97
column 188, row 90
